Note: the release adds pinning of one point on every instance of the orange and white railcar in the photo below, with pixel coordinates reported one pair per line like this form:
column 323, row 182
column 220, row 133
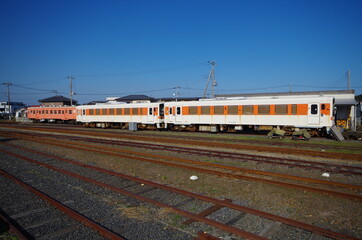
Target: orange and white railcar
column 52, row 113
column 145, row 115
column 236, row 114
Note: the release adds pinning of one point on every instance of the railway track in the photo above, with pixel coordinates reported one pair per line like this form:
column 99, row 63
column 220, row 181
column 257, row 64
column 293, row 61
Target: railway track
column 292, row 151
column 38, row 229
column 204, row 137
column 322, row 166
column 221, row 170
column 176, row 201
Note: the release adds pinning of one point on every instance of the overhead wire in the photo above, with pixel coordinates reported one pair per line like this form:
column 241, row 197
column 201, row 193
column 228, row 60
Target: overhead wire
column 138, row 72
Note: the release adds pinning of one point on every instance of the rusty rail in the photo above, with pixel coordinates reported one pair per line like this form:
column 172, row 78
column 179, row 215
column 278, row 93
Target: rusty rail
column 349, row 156
column 196, row 217
column 218, row 202
column 330, row 167
column 112, row 151
column 86, row 221
column 236, row 169
column 14, row 227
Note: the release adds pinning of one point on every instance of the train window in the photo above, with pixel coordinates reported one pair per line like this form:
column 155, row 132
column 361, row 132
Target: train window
column 119, row 111
column 83, row 111
column 97, row 111
column 91, row 111
column 205, row 110
column 104, row 111
column 126, row 111
column 178, row 110
column 294, row 109
column 170, row 111
column 219, row 110
column 51, row 111
column 150, row 111
column 323, row 107
column 69, row 111
column 232, row 110
column 134, row 111
column 62, row 111
column 248, row 109
column 192, row 110
column 314, row 109
column 264, row 109
column 281, row 109
column 46, row 111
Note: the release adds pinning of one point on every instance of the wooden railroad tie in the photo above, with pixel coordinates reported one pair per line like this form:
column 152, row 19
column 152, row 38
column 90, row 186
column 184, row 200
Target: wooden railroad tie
column 207, row 211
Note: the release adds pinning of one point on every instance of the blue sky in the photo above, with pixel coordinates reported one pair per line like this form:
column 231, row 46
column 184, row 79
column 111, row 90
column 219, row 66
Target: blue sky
column 116, row 48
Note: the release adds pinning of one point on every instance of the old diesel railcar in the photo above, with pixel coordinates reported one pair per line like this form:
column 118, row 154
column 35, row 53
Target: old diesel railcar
column 263, row 113
column 52, row 114
column 145, row 115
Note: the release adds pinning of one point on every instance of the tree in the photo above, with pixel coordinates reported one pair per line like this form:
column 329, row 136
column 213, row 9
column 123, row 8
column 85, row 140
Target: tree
column 358, row 98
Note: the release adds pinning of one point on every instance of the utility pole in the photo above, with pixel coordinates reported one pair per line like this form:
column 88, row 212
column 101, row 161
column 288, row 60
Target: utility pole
column 8, row 84
column 211, row 76
column 71, row 89
column 177, row 93
column 349, row 79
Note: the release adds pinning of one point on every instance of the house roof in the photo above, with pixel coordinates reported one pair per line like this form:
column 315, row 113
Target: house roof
column 57, row 99
column 134, row 97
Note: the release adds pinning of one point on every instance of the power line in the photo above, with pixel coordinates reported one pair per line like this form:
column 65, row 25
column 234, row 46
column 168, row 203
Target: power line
column 121, row 93
column 139, row 72
column 317, row 86
column 36, row 89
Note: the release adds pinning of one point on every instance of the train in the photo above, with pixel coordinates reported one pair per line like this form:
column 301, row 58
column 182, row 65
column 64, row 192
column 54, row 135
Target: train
column 52, row 113
column 316, row 114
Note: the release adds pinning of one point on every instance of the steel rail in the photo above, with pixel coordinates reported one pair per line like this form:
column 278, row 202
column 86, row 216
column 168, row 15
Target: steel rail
column 79, row 217
column 213, row 153
column 205, row 138
column 220, row 166
column 228, row 204
column 111, row 151
column 190, row 215
column 14, row 227
column 349, row 156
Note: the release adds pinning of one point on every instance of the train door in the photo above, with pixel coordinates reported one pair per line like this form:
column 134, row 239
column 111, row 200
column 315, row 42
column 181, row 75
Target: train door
column 178, row 114
column 171, row 114
column 82, row 114
column 150, row 115
column 313, row 114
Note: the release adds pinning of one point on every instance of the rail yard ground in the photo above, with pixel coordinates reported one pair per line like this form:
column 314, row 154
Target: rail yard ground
column 317, row 183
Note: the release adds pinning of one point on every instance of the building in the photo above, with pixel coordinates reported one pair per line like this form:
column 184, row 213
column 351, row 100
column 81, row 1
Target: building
column 57, row 101
column 345, row 103
column 5, row 109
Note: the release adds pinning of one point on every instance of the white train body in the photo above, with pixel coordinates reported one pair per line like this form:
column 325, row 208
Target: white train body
column 296, row 112
column 107, row 115
column 215, row 114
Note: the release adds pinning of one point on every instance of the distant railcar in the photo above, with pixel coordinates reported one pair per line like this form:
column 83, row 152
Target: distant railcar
column 52, row 113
